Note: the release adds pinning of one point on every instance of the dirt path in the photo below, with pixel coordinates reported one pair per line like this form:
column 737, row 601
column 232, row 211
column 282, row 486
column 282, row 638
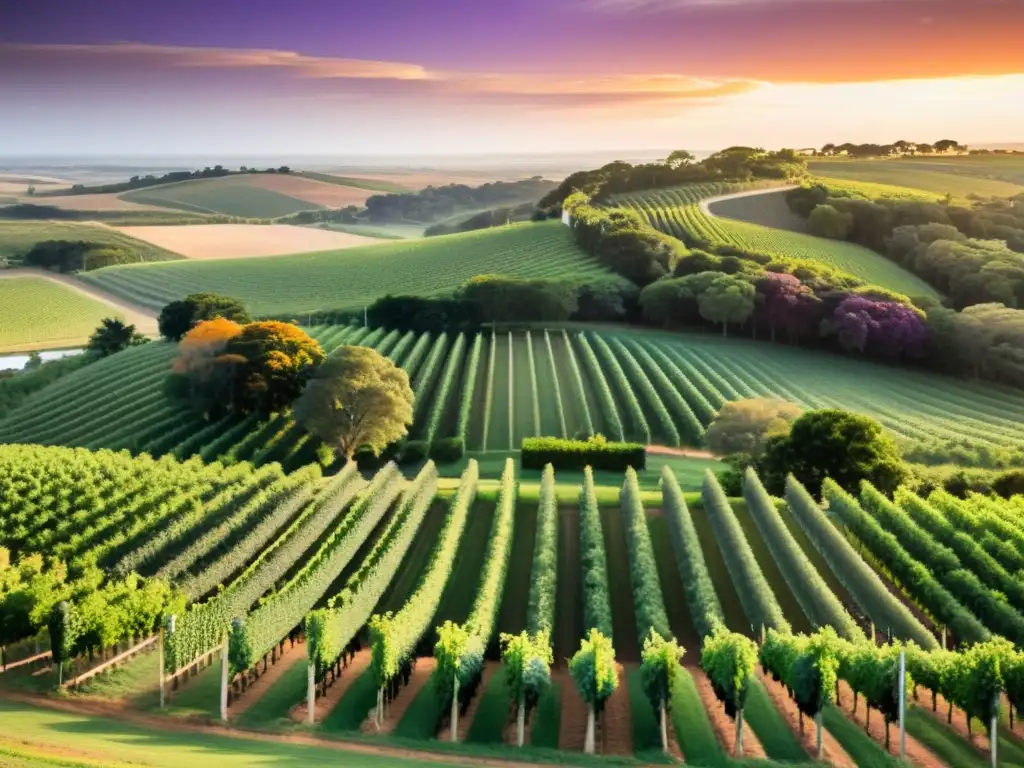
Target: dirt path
column 170, row 725
column 325, row 704
column 705, row 205
column 723, row 725
column 293, row 654
column 616, row 734
column 572, row 732
column 834, row 754
column 690, row 453
column 979, row 731
column 917, row 753
column 406, row 695
column 466, row 720
column 143, row 319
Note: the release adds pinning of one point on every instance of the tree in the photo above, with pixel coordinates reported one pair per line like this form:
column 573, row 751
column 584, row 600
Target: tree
column 727, row 300
column 883, row 328
column 845, row 446
column 679, row 158
column 276, row 361
column 207, row 372
column 659, row 667
column 742, row 426
column 179, row 317
column 527, row 660
column 64, row 626
column 729, row 659
column 357, row 398
column 783, row 301
column 114, row 335
column 826, row 221
column 594, row 672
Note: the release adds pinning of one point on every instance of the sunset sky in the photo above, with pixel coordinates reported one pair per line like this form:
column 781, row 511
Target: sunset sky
column 474, row 76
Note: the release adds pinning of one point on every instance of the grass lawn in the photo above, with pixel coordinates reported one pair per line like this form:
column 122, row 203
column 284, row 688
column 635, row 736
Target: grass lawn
column 948, row 745
column 276, row 702
column 693, row 727
column 777, row 739
column 865, row 751
column 37, row 736
column 547, row 718
column 39, row 314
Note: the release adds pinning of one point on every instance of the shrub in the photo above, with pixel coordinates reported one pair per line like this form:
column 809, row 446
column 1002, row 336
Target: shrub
column 595, row 452
column 415, row 451
column 447, row 449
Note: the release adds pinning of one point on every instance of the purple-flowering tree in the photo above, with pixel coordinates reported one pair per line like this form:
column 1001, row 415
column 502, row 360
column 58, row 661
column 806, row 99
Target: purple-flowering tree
column 881, row 328
column 783, row 301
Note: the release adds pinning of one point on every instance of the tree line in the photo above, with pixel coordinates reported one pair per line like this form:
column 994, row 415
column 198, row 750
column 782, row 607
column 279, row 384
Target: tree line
column 151, row 180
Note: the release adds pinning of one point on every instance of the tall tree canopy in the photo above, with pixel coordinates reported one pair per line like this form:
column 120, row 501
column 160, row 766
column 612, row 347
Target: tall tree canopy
column 179, row 317
column 357, row 398
column 114, row 335
column 277, row 359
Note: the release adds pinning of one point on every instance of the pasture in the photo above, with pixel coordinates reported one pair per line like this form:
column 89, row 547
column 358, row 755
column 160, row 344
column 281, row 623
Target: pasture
column 238, row 241
column 680, row 211
column 42, row 314
column 18, row 237
column 351, row 279
column 985, row 175
column 653, row 387
column 257, row 195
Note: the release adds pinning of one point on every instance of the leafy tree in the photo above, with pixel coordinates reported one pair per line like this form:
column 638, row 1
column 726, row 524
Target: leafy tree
column 114, row 335
column 883, row 328
column 728, row 659
column 678, row 158
column 594, row 672
column 508, row 299
column 357, row 398
column 742, row 426
column 202, row 371
column 659, row 666
column 179, row 317
column 64, row 629
column 276, row 361
column 527, row 660
column 727, row 300
column 826, row 221
column 845, row 446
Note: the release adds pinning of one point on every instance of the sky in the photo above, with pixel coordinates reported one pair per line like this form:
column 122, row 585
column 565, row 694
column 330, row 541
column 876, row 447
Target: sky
column 414, row 77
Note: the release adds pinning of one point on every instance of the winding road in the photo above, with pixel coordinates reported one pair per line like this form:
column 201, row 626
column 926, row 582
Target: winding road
column 706, row 203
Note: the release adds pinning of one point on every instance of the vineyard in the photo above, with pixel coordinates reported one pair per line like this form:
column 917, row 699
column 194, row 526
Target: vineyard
column 993, row 176
column 680, row 211
column 303, row 284
column 493, row 390
column 39, row 314
column 383, row 605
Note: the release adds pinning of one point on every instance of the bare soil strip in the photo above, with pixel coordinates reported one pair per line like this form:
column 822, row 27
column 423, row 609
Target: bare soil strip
column 572, row 732
column 978, row 736
column 917, row 753
column 834, row 754
column 255, row 691
column 143, row 319
column 723, row 725
column 616, row 733
column 393, row 714
column 325, row 704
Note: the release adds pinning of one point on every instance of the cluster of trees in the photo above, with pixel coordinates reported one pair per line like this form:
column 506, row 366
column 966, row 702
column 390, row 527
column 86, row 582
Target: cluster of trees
column 112, row 336
column 777, row 440
column 493, row 217
column 179, row 317
column 76, row 255
column 437, row 203
column 943, row 146
column 150, row 180
column 680, row 167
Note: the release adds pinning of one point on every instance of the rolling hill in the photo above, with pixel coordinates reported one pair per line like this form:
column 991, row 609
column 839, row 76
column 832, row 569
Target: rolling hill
column 335, row 280
column 985, row 175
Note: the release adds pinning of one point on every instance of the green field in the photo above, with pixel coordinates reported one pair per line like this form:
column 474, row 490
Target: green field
column 18, row 237
column 677, row 211
column 40, row 314
column 229, row 195
column 374, row 185
column 988, row 176
column 686, row 371
column 353, row 278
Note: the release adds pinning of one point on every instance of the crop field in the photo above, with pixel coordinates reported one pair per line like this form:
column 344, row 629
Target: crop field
column 311, row 558
column 257, row 195
column 238, row 241
column 678, row 211
column 40, row 314
column 353, row 278
column 993, row 176
column 659, row 388
column 18, row 237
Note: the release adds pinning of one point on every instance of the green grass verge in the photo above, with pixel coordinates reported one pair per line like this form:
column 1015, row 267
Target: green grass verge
column 774, row 734
column 488, row 726
column 276, row 702
column 421, row 716
column 547, row 718
column 350, row 712
column 646, row 731
column 693, row 728
column 865, row 751
column 948, row 745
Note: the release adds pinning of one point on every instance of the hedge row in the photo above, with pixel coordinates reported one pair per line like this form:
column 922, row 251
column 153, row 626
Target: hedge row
column 538, row 452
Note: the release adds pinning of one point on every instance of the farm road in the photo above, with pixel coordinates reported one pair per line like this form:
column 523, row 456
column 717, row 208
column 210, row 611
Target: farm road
column 143, row 319
column 705, row 205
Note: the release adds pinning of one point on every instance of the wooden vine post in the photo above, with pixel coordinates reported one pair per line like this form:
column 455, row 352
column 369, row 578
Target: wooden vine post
column 311, row 693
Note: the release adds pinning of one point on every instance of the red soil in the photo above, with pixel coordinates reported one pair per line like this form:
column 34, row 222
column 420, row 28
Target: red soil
column 254, row 691
column 723, row 725
column 325, row 704
column 834, row 754
column 393, row 713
